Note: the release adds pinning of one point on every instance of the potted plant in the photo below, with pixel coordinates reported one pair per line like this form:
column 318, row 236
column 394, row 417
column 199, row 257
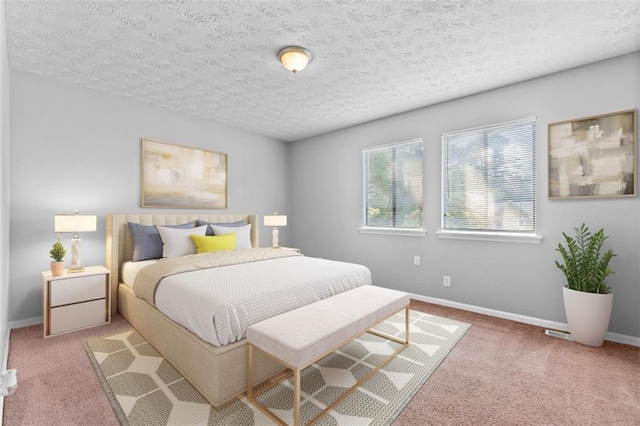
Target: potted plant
column 587, row 300
column 57, row 253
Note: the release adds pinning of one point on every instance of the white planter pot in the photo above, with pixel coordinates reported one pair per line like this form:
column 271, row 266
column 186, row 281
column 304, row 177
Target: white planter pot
column 588, row 315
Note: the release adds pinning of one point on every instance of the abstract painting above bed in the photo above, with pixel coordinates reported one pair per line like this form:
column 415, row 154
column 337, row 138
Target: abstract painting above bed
column 182, row 177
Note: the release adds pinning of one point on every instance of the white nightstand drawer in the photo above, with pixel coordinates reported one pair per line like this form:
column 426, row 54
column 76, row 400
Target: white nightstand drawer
column 79, row 289
column 71, row 317
column 76, row 300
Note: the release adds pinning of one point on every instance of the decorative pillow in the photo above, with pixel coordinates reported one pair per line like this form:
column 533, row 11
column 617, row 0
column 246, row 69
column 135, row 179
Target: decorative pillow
column 243, row 237
column 207, row 244
column 147, row 243
column 227, row 224
column 178, row 242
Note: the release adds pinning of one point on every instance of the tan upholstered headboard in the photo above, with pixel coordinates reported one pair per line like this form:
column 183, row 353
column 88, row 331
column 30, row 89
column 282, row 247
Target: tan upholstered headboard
column 120, row 244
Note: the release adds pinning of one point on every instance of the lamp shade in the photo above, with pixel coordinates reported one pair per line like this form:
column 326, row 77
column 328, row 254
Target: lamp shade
column 277, row 220
column 75, row 223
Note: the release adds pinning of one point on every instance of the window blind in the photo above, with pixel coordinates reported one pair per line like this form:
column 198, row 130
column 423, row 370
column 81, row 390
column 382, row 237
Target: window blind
column 489, row 178
column 393, row 185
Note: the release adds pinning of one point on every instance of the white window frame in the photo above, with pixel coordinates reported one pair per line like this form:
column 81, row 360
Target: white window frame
column 489, row 235
column 367, row 229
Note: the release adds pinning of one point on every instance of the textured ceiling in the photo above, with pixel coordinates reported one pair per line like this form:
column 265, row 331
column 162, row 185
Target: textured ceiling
column 218, row 59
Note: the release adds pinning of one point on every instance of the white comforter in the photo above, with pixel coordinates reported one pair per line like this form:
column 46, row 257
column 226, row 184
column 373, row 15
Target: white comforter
column 219, row 304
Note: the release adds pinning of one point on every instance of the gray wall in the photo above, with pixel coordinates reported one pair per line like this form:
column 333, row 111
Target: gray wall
column 77, row 148
column 326, row 201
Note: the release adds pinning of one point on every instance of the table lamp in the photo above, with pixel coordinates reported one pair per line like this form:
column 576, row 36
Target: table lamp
column 75, row 223
column 275, row 221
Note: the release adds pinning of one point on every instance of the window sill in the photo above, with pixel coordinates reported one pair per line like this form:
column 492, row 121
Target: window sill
column 500, row 237
column 393, row 231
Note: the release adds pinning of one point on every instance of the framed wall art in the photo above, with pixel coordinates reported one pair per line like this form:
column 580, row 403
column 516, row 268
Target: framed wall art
column 593, row 156
column 175, row 176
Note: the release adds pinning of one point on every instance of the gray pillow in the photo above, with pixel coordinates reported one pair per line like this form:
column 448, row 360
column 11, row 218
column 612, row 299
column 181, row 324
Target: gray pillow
column 227, row 224
column 243, row 234
column 147, row 243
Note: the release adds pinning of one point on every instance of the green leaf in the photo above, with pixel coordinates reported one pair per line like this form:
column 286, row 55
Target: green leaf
column 584, row 265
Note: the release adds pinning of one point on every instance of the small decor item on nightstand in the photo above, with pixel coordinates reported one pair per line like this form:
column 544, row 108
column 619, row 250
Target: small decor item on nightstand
column 57, row 253
column 275, row 221
column 74, row 223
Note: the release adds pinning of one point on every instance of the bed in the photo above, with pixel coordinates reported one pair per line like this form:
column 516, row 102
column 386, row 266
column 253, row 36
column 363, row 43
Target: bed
column 216, row 366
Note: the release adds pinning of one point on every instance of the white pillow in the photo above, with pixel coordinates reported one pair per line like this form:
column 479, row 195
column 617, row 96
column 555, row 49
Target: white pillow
column 177, row 242
column 243, row 234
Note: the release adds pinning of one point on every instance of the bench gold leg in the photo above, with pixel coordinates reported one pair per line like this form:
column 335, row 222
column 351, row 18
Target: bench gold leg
column 249, row 370
column 296, row 397
column 406, row 325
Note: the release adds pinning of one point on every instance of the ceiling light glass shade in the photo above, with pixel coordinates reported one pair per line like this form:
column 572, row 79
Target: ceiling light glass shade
column 294, row 58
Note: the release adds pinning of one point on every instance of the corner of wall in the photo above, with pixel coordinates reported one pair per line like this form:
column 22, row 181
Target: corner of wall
column 4, row 196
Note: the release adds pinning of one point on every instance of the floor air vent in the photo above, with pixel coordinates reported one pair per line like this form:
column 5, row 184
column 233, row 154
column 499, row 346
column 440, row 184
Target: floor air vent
column 559, row 334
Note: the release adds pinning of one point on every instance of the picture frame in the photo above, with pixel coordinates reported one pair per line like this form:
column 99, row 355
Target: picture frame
column 174, row 176
column 593, row 156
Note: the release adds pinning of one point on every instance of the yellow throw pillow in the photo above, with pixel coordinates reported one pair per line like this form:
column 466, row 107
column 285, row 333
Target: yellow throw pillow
column 207, row 244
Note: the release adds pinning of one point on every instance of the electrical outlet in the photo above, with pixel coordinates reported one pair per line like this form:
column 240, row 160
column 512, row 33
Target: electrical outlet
column 416, row 260
column 446, row 281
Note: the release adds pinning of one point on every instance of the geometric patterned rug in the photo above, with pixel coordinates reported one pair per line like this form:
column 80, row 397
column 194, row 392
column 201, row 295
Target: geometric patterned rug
column 144, row 389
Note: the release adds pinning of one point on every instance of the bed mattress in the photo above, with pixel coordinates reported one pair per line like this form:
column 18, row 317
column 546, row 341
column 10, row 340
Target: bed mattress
column 218, row 304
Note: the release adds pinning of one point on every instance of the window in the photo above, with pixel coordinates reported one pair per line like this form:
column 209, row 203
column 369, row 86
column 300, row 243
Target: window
column 489, row 178
column 393, row 186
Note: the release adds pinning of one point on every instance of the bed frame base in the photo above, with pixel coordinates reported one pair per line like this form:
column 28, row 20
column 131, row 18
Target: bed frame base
column 218, row 373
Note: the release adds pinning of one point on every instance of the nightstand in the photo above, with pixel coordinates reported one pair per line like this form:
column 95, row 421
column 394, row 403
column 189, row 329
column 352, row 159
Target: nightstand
column 76, row 300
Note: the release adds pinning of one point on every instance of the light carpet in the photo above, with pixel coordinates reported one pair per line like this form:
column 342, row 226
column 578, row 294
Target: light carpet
column 144, row 389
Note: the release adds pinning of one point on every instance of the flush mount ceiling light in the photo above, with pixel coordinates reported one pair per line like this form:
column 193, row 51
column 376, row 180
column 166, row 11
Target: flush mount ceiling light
column 294, row 58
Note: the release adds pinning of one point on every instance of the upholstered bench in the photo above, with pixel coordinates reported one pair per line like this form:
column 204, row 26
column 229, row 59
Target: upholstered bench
column 301, row 337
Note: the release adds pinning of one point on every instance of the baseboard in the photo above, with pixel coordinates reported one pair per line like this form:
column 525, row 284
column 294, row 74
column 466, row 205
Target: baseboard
column 25, row 322
column 554, row 325
column 5, row 360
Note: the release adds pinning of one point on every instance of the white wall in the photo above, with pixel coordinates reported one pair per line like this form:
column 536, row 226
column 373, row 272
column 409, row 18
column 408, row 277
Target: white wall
column 77, row 148
column 326, row 201
column 4, row 196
